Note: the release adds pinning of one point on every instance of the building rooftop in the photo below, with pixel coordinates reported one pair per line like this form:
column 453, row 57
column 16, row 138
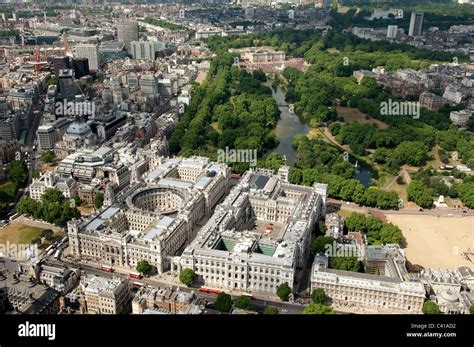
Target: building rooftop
column 23, row 293
column 79, row 128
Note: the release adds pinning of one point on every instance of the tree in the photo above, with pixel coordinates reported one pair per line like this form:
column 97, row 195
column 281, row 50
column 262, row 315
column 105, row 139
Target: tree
column 345, row 263
column 430, row 307
column 78, row 201
column 318, row 296
column 466, row 193
column 318, row 309
column 390, row 233
column 7, row 194
column 412, row 152
column 18, row 172
column 471, row 309
column 283, row 291
column 143, row 267
column 223, row 302
column 69, row 211
column 356, row 222
column 53, row 81
column 420, row 194
column 319, row 244
column 47, row 234
column 270, row 310
column 99, row 200
column 187, row 277
column 48, row 156
column 243, row 302
column 52, row 196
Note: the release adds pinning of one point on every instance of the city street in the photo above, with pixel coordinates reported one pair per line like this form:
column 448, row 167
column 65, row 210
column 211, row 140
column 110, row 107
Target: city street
column 259, row 302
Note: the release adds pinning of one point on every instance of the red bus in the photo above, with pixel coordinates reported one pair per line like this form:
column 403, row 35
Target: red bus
column 135, row 275
column 106, row 268
column 137, row 285
column 209, row 290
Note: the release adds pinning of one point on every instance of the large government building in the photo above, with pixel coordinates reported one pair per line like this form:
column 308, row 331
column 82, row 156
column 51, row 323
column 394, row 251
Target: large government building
column 155, row 217
column 258, row 237
column 387, row 286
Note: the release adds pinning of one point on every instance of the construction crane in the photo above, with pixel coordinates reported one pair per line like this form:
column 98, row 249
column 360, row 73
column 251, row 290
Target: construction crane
column 37, row 59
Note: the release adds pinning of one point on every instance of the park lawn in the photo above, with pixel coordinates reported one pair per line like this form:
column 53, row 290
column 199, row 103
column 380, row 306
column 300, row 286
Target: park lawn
column 351, row 115
column 215, row 126
column 401, row 190
column 435, row 161
column 19, row 233
column 315, row 133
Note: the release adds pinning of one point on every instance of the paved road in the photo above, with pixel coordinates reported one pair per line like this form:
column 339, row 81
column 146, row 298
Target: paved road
column 437, row 212
column 37, row 223
column 259, row 303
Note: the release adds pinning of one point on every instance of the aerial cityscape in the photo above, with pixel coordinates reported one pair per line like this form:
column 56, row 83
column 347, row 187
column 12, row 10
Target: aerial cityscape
column 244, row 157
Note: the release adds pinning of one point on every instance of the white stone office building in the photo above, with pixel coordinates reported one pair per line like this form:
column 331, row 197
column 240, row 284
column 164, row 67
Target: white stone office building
column 375, row 292
column 157, row 217
column 386, row 287
column 258, row 237
column 67, row 186
column 452, row 290
column 106, row 296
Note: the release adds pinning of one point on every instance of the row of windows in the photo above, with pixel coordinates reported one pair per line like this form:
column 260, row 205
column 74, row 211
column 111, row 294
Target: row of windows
column 366, row 293
column 242, row 285
column 235, row 268
column 237, row 275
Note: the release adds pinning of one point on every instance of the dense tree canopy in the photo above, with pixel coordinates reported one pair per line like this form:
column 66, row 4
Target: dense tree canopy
column 283, row 291
column 99, row 200
column 319, row 244
column 18, row 172
column 420, row 194
column 223, row 302
column 318, row 296
column 230, row 109
column 316, row 93
column 48, row 156
column 377, row 232
column 346, row 264
column 270, row 310
column 187, row 277
column 143, row 267
column 318, row 161
column 53, row 208
column 430, row 307
column 243, row 302
column 318, row 309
